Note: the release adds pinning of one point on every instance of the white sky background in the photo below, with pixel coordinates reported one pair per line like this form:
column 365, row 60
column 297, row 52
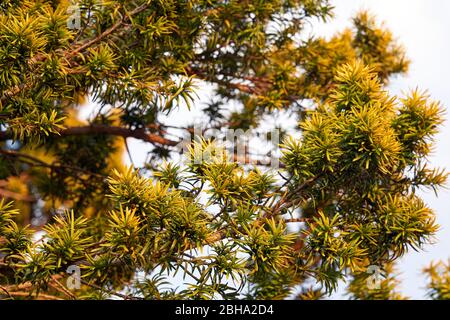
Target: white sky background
column 423, row 27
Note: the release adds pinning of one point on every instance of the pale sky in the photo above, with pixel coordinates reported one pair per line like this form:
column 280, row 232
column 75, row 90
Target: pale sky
column 423, row 27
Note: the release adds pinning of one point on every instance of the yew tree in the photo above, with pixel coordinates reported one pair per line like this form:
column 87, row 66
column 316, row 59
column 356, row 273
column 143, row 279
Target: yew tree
column 213, row 222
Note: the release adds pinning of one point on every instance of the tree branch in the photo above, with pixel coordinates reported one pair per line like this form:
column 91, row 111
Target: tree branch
column 16, row 196
column 107, row 32
column 284, row 202
column 140, row 134
column 70, row 54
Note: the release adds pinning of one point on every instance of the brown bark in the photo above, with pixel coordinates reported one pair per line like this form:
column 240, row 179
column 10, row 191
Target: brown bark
column 140, row 134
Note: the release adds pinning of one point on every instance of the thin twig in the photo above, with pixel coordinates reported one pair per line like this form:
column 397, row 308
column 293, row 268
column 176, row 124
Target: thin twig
column 6, row 291
column 16, row 196
column 128, row 152
column 62, row 289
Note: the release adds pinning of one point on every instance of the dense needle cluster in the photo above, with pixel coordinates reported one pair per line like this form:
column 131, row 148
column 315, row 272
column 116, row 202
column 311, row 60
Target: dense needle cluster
column 342, row 201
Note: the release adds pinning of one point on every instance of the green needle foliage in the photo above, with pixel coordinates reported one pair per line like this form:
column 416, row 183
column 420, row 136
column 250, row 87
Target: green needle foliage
column 342, row 201
column 439, row 280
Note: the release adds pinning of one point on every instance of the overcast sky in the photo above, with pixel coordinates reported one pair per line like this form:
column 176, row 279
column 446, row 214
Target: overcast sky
column 423, row 27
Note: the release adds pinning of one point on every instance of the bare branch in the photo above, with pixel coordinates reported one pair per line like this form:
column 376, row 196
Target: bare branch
column 16, row 196
column 140, row 134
